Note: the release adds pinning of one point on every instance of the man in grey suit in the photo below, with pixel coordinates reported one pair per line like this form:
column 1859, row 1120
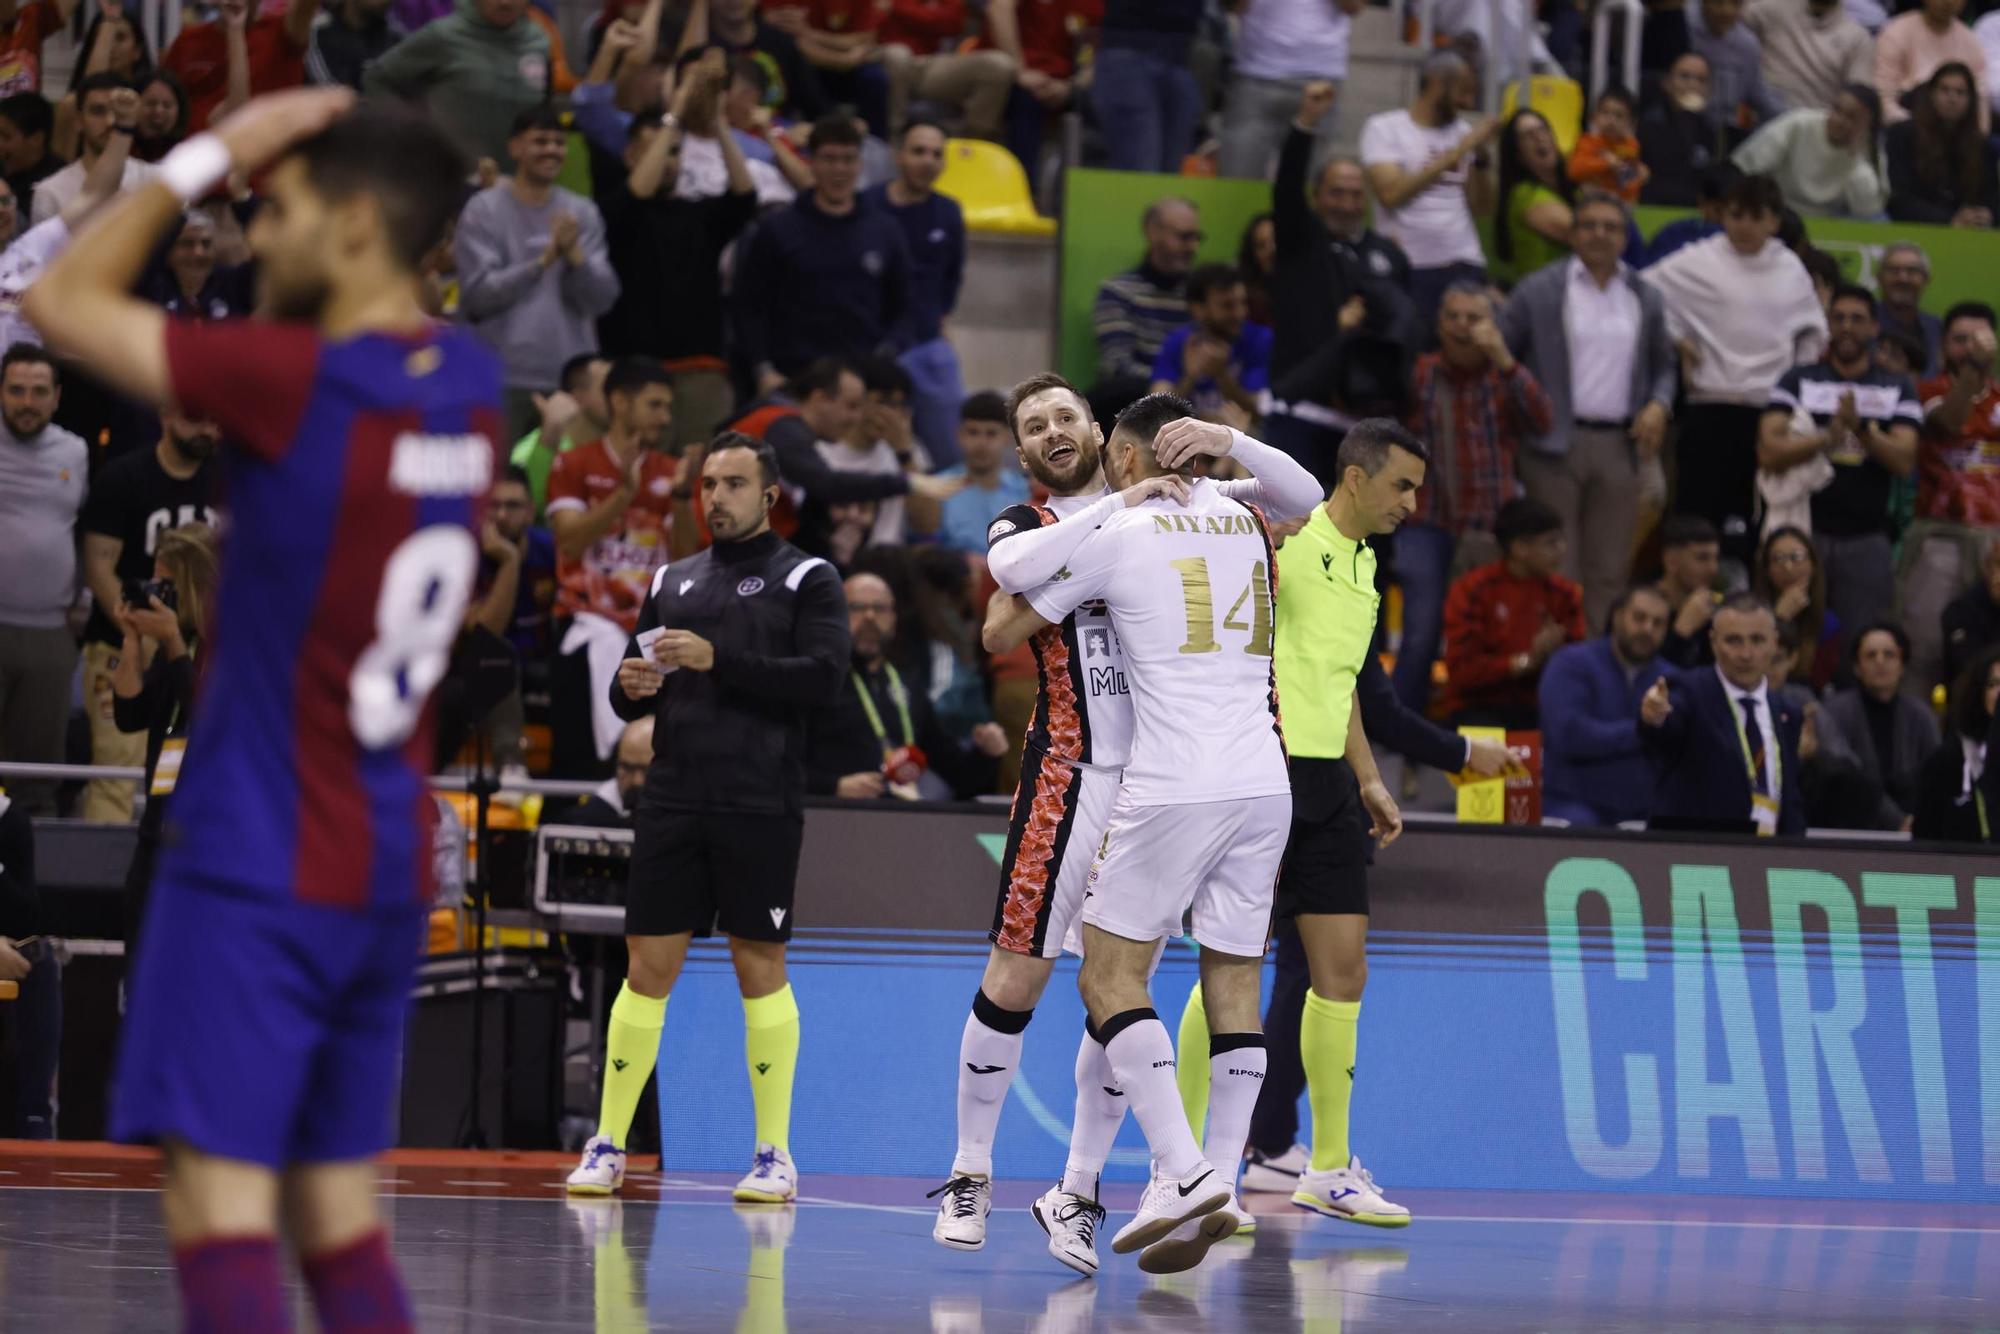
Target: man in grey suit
column 1594, row 334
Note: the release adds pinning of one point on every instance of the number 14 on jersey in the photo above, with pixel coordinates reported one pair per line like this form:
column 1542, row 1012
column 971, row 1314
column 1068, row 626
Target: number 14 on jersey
column 1199, row 599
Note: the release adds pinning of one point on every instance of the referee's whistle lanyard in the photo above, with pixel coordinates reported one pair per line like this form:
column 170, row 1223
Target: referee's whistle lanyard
column 897, row 693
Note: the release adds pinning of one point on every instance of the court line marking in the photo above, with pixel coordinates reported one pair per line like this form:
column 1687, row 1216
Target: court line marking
column 925, row 1210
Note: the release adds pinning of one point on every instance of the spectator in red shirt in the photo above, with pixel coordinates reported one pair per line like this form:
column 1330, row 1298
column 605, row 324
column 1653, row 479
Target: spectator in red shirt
column 22, row 32
column 1958, row 483
column 1044, row 37
column 1502, row 621
column 1471, row 402
column 839, row 38
column 920, row 40
column 225, row 61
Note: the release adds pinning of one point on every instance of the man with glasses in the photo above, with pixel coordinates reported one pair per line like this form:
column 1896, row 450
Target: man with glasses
column 1137, row 309
column 1905, row 273
column 1594, row 335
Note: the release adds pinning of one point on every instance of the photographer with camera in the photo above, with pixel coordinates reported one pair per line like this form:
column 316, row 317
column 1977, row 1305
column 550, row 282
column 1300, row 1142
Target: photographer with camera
column 133, row 502
column 152, row 683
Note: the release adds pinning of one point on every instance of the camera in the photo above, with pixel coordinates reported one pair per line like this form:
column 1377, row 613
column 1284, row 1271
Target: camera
column 141, row 592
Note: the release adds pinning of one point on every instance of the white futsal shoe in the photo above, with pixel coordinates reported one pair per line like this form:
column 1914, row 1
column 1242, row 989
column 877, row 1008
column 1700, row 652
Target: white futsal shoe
column 602, row 1170
column 1349, row 1192
column 1169, row 1202
column 1275, row 1176
column 1187, row 1245
column 1072, row 1223
column 961, row 1216
column 772, row 1178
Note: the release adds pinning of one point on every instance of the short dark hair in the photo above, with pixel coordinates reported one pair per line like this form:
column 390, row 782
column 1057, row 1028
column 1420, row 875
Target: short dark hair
column 919, row 123
column 1208, row 279
column 1638, row 591
column 1038, row 384
column 1716, row 180
column 1620, row 94
column 30, row 113
column 1820, row 266
column 575, row 369
column 29, row 354
column 1754, row 194
column 1889, row 628
column 1969, row 715
column 541, row 116
column 984, row 406
column 1912, row 347
column 1523, row 518
column 885, row 375
column 1368, row 442
column 835, row 129
column 411, row 167
column 1852, row 292
column 1687, row 530
column 632, row 375
column 1143, row 418
column 518, row 475
column 751, row 71
column 104, row 81
column 1969, row 310
column 821, row 376
column 767, row 457
column 1745, row 602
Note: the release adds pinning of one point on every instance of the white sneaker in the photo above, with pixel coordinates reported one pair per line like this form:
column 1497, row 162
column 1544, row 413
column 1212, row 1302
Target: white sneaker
column 1072, row 1223
column 1187, row 1244
column 1275, row 1176
column 1246, row 1222
column 772, row 1178
column 602, row 1170
column 1349, row 1192
column 961, row 1219
column 1168, row 1203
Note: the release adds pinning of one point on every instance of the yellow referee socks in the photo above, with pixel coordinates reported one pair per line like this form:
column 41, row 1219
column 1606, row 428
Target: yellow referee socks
column 771, row 1042
column 1326, row 1045
column 1191, row 1061
column 630, row 1051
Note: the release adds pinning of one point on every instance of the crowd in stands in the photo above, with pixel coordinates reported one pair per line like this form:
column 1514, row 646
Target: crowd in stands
column 724, row 215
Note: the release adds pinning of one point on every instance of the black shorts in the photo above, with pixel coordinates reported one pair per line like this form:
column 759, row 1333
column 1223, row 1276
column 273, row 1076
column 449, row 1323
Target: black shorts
column 1326, row 861
column 706, row 873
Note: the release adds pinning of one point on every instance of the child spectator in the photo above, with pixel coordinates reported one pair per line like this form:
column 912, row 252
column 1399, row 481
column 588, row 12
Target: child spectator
column 1608, row 156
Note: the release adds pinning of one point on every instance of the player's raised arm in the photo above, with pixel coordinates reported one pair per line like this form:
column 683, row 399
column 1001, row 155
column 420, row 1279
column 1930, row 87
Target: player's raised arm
column 1279, row 484
column 82, row 305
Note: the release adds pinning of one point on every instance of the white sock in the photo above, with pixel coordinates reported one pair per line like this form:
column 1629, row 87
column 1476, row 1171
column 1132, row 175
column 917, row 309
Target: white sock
column 988, row 1055
column 1142, row 1056
column 1100, row 1110
column 1235, row 1078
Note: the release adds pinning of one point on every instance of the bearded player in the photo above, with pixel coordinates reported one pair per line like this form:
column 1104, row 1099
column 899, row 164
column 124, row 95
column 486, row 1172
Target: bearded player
column 1078, row 739
column 267, row 1011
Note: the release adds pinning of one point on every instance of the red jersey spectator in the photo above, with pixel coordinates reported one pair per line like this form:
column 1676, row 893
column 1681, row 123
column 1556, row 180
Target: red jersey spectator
column 1958, row 461
column 611, row 501
column 1047, row 36
column 270, row 46
column 920, row 41
column 1502, row 621
column 21, row 38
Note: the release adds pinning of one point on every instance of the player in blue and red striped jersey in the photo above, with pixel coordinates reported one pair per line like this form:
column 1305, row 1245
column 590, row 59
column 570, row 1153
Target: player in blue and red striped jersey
column 266, row 1014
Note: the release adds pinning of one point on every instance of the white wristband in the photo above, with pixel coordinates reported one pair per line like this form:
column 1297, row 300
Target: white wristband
column 195, row 167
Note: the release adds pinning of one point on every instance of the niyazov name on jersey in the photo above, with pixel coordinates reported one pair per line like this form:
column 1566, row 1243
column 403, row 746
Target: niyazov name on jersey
column 441, row 465
column 1219, row 525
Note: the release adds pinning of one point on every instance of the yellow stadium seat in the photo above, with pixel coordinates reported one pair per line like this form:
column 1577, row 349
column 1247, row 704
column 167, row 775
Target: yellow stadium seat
column 992, row 189
column 1559, row 100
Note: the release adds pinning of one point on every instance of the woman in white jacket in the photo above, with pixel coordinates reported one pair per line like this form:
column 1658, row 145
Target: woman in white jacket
column 1742, row 310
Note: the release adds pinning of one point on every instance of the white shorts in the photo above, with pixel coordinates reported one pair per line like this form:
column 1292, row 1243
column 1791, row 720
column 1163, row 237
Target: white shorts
column 1218, row 859
column 1053, row 837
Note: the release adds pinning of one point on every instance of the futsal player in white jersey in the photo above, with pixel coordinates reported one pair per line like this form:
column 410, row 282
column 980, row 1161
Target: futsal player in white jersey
column 1201, row 816
column 1078, row 740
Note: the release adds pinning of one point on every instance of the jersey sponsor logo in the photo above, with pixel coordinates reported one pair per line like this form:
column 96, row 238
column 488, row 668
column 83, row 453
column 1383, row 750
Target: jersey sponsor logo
column 750, row 587
column 422, row 362
column 777, row 917
column 1108, row 681
column 1213, row 525
column 441, row 465
column 1000, row 529
column 686, row 584
column 1326, row 561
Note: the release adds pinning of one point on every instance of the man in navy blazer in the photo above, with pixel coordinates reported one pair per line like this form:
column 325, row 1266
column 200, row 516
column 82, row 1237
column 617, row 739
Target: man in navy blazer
column 1727, row 747
column 1595, row 767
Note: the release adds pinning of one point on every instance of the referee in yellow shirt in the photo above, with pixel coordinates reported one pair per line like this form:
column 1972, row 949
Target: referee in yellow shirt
column 1326, row 613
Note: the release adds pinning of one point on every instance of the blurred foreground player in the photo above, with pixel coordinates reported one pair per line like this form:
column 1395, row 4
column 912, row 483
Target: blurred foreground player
column 287, row 914
column 735, row 645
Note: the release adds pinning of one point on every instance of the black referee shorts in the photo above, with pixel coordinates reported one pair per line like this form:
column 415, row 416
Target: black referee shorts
column 1326, row 861
column 706, row 873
